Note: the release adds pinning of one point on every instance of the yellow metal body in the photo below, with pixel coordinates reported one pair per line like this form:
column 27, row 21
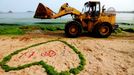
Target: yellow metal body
column 103, row 17
column 65, row 9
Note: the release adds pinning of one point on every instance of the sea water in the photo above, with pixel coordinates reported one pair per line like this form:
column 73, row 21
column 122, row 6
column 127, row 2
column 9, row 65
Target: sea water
column 125, row 18
column 27, row 18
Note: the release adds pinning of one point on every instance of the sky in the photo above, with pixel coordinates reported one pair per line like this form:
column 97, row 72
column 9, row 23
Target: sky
column 26, row 5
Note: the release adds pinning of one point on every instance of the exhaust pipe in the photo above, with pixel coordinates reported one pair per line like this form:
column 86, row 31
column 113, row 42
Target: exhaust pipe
column 43, row 12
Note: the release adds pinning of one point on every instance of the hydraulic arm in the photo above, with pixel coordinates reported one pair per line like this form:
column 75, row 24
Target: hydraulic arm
column 43, row 12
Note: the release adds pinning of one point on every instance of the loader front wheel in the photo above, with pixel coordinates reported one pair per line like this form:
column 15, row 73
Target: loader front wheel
column 73, row 29
column 103, row 30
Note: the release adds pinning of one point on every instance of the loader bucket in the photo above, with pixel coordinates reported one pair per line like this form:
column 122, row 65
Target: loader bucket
column 43, row 12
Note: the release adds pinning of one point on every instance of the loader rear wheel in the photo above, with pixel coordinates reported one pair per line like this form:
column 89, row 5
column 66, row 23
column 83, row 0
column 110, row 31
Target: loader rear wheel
column 103, row 30
column 73, row 29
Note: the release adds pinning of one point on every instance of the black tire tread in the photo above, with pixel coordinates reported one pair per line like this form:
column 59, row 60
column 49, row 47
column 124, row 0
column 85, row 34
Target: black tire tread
column 96, row 30
column 68, row 24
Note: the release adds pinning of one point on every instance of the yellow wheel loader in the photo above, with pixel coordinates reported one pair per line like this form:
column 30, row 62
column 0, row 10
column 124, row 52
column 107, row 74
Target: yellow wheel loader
column 93, row 19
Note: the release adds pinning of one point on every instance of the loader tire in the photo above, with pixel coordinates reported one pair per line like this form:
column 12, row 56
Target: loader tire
column 103, row 30
column 73, row 29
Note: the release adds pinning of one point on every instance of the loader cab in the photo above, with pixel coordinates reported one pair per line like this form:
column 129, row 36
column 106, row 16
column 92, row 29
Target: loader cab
column 92, row 8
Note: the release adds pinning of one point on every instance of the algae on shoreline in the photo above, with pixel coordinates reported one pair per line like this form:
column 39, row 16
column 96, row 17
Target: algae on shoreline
column 19, row 29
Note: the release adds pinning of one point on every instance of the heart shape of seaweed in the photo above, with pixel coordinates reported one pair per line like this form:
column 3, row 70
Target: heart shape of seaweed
column 49, row 69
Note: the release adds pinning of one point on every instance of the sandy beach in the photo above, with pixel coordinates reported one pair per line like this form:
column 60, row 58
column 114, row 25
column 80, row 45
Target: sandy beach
column 104, row 56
